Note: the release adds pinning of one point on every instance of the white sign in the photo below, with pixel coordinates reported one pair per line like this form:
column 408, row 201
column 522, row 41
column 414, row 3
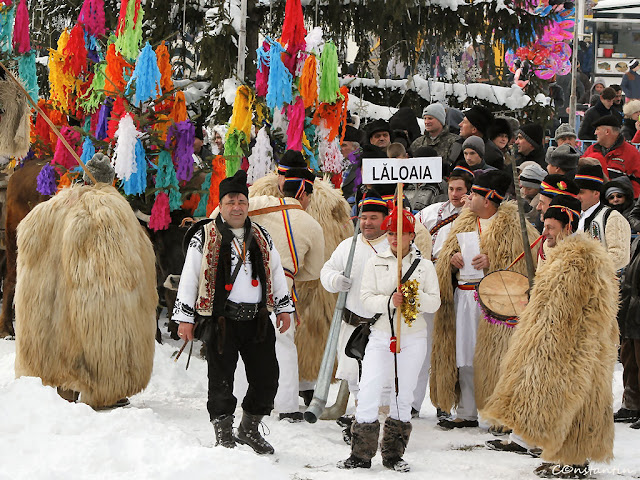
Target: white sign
column 404, row 170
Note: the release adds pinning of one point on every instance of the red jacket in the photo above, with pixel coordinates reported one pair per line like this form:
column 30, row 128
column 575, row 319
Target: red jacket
column 623, row 158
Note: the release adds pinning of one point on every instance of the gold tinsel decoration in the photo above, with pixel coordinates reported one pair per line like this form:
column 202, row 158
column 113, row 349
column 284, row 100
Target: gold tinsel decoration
column 410, row 303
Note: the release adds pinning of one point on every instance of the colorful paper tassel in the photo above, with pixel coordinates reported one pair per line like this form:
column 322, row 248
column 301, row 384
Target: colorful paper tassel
column 146, row 76
column 46, row 181
column 261, row 158
column 27, row 73
column 137, row 182
column 160, row 214
column 129, row 30
column 21, row 42
column 62, row 156
column 124, row 157
column 166, row 180
column 180, row 136
column 295, row 114
column 329, row 83
column 75, row 52
column 201, row 211
column 7, row 19
column 309, row 82
column 280, row 79
column 92, row 17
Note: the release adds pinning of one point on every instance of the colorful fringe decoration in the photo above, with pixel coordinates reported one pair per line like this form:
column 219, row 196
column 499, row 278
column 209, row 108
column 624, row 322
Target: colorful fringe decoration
column 261, row 158
column 27, row 73
column 67, row 179
column 181, row 135
column 103, row 121
column 241, row 116
column 332, row 159
column 280, row 79
column 166, row 180
column 179, row 112
column 295, row 114
column 146, row 76
column 201, row 211
column 117, row 112
column 332, row 115
column 116, row 64
column 75, row 52
column 21, row 42
column 293, row 31
column 164, row 65
column 88, row 150
column 136, row 184
column 329, row 83
column 7, row 19
column 61, row 85
column 62, row 156
column 218, row 173
column 262, row 74
column 129, row 30
column 234, row 146
column 160, row 214
column 91, row 99
column 92, row 18
column 308, row 86
column 124, row 156
column 46, row 181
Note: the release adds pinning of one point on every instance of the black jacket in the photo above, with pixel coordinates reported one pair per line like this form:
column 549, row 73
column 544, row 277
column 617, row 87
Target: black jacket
column 537, row 155
column 629, row 313
column 628, row 129
column 587, row 131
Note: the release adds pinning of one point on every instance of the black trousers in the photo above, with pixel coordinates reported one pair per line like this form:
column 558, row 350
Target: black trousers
column 630, row 359
column 260, row 364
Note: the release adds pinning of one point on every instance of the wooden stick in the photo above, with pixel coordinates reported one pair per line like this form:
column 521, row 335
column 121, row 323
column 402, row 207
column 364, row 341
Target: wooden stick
column 51, row 124
column 180, row 351
column 399, row 206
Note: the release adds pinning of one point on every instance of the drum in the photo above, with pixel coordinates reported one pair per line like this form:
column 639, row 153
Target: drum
column 503, row 295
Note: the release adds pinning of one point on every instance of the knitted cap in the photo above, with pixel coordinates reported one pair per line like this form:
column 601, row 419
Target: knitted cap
column 565, row 157
column 565, row 130
column 556, row 184
column 493, row 185
column 566, row 210
column 480, row 117
column 590, row 177
column 474, row 143
column 533, row 133
column 532, row 176
column 390, row 222
column 101, row 169
column 373, row 202
column 235, row 184
column 435, row 110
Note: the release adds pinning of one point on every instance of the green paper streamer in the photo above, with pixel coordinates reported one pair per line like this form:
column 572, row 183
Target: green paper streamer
column 93, row 97
column 128, row 43
column 234, row 151
column 329, row 83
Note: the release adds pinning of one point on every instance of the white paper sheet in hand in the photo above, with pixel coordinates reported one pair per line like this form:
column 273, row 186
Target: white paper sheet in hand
column 469, row 247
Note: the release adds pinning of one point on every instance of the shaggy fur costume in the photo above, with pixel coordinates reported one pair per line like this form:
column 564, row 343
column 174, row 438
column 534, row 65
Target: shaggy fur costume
column 502, row 242
column 15, row 129
column 555, row 383
column 86, row 296
column 315, row 305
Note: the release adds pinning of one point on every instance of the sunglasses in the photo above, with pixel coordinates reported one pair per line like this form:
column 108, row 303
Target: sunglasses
column 615, row 195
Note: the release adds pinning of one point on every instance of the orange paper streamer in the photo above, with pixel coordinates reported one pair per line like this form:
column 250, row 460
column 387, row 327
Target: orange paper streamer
column 309, row 82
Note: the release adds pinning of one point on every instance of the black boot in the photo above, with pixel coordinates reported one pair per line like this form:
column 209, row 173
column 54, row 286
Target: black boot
column 395, row 438
column 223, row 426
column 364, row 444
column 248, row 434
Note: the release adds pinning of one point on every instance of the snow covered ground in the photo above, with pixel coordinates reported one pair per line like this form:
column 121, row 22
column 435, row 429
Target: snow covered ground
column 165, row 434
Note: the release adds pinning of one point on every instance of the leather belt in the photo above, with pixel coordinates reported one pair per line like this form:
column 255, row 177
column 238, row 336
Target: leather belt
column 352, row 319
column 241, row 312
column 275, row 208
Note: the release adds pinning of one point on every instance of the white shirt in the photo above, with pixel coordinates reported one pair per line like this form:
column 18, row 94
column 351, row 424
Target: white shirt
column 430, row 216
column 242, row 291
column 335, row 266
column 584, row 215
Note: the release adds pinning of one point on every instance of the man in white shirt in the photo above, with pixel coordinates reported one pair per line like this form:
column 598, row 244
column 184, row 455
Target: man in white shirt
column 437, row 218
column 599, row 220
column 232, row 278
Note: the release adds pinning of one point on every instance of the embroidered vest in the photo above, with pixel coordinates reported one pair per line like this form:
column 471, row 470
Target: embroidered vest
column 209, row 267
column 598, row 225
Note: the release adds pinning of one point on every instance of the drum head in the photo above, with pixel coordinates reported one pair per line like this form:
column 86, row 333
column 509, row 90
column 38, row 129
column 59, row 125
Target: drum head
column 504, row 293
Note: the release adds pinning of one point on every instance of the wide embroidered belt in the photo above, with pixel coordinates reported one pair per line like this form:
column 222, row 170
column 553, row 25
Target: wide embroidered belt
column 241, row 312
column 467, row 286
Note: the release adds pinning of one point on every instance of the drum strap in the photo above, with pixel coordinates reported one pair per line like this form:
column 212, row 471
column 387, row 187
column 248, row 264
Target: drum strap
column 522, row 254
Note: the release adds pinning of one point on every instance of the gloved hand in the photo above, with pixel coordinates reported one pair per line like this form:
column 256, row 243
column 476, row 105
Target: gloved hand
column 343, row 284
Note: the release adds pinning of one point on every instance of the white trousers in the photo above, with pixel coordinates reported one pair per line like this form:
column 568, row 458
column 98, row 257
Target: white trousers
column 378, row 371
column 347, row 366
column 519, row 440
column 286, row 400
column 467, row 316
column 423, row 378
column 467, row 409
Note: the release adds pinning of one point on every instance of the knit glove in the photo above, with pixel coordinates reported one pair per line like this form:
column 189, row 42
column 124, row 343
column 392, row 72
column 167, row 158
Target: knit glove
column 342, row 283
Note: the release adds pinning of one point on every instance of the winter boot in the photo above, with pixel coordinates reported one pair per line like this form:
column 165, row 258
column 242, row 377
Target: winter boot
column 223, row 426
column 364, row 444
column 248, row 434
column 394, row 440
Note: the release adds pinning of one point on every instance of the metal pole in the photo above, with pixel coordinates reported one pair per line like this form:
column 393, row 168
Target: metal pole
column 574, row 63
column 242, row 40
column 523, row 225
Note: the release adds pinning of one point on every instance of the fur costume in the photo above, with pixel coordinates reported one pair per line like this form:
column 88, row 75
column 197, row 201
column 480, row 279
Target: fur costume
column 15, row 128
column 315, row 305
column 86, row 295
column 555, row 384
column 502, row 243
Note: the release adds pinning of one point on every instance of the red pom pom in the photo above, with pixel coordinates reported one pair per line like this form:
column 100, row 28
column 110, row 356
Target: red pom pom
column 393, row 345
column 254, row 282
column 228, row 287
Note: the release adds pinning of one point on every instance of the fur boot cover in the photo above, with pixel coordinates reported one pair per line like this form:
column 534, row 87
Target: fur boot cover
column 86, row 296
column 395, row 438
column 364, row 439
column 15, row 129
column 315, row 305
column 502, row 242
column 555, row 383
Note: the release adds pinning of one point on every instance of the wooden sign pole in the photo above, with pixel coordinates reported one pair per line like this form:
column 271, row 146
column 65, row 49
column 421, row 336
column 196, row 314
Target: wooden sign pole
column 399, row 205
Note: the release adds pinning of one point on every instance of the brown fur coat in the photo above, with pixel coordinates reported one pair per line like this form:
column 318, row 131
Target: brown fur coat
column 502, row 242
column 86, row 295
column 14, row 123
column 315, row 305
column 555, row 384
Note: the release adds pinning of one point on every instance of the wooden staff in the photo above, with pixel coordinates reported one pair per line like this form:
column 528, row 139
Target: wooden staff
column 50, row 123
column 399, row 205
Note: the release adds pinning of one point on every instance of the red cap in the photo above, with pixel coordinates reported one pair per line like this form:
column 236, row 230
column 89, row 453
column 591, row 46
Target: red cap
column 390, row 222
